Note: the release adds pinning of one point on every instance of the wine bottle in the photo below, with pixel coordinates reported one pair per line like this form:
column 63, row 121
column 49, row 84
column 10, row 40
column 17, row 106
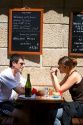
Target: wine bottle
column 28, row 86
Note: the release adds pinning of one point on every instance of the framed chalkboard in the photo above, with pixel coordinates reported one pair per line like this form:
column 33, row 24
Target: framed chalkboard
column 76, row 34
column 25, row 31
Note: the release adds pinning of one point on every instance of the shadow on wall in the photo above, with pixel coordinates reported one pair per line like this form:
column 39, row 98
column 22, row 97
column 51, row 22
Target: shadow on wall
column 6, row 4
column 60, row 6
column 47, row 5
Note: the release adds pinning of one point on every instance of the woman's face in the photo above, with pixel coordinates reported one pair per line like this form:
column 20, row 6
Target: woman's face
column 62, row 68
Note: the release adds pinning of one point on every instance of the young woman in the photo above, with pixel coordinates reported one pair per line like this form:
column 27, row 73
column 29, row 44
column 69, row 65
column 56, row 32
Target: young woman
column 73, row 82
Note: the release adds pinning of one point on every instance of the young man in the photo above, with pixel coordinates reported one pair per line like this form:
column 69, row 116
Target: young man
column 10, row 80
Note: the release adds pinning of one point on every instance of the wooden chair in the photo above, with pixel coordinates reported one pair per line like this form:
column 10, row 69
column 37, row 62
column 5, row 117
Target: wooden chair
column 77, row 121
column 6, row 120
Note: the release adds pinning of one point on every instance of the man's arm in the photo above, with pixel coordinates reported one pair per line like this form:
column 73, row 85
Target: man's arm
column 20, row 90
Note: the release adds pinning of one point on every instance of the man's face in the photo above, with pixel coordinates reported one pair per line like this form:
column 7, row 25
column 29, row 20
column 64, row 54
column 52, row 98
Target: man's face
column 19, row 65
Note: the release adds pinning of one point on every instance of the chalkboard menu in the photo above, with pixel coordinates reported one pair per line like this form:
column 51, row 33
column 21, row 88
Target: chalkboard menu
column 76, row 34
column 25, row 31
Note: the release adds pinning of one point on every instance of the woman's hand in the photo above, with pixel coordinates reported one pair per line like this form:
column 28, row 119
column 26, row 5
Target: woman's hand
column 53, row 70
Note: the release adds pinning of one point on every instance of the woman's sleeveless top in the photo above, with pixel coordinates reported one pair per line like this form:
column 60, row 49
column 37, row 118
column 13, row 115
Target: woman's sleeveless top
column 76, row 92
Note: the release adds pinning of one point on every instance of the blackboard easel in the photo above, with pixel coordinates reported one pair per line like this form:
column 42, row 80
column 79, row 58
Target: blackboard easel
column 25, row 31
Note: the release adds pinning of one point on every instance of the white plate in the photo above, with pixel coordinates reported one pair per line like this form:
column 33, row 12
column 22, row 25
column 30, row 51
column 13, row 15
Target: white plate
column 23, row 96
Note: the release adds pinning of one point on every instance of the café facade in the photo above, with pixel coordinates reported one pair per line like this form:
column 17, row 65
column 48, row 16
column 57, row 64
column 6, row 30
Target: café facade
column 55, row 37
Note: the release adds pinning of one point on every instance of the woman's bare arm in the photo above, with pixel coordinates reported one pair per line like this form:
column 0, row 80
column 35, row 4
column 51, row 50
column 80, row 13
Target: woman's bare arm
column 71, row 80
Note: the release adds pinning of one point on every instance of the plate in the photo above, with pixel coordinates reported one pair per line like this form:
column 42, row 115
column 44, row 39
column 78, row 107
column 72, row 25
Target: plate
column 56, row 96
column 23, row 96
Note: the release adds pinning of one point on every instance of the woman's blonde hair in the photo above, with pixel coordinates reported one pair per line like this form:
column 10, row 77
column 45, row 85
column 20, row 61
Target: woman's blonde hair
column 67, row 61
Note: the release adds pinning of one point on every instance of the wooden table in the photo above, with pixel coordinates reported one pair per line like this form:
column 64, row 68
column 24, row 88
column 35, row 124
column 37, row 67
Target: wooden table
column 39, row 109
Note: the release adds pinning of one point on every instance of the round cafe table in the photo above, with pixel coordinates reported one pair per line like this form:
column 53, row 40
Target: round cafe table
column 39, row 109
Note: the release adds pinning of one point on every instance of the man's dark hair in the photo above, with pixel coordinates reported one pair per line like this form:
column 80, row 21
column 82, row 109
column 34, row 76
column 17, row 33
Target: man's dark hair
column 15, row 58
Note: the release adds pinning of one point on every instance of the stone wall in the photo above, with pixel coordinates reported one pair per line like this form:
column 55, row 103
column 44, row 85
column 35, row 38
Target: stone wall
column 55, row 36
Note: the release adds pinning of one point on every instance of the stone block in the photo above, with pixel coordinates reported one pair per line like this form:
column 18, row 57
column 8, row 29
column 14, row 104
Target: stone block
column 3, row 18
column 3, row 35
column 39, row 76
column 53, row 17
column 3, row 57
column 65, row 18
column 52, row 35
column 51, row 56
column 80, row 62
column 80, row 70
column 65, row 31
column 3, row 67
